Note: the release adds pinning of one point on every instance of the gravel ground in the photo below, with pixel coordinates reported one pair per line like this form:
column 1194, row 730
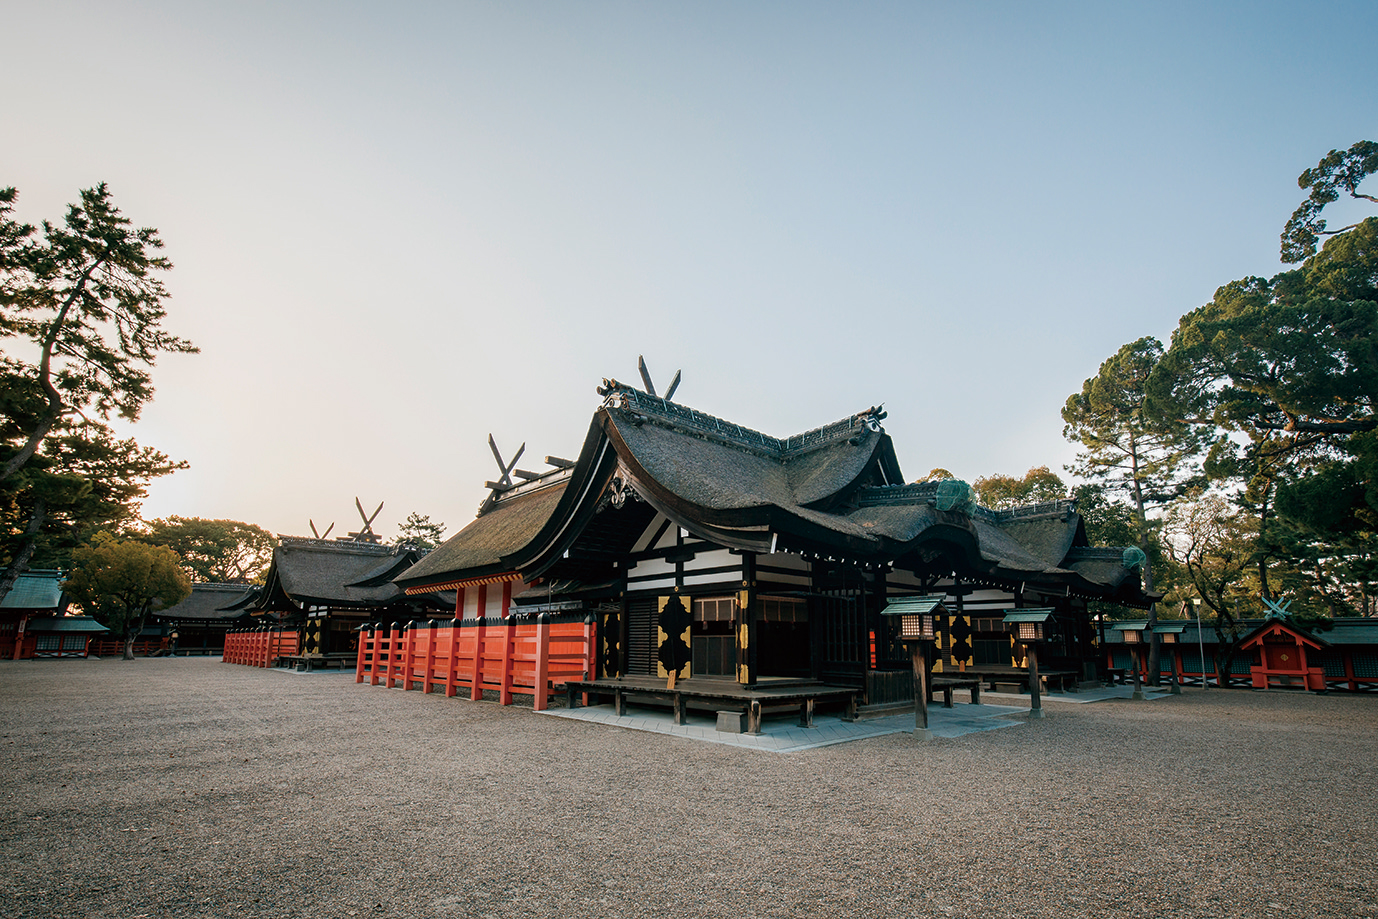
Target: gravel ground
column 187, row 787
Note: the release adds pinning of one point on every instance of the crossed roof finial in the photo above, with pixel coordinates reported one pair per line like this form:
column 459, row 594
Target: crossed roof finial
column 650, row 387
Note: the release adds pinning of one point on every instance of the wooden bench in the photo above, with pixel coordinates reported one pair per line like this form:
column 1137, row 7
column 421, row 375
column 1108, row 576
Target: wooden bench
column 309, row 662
column 745, row 701
column 948, row 684
column 1059, row 679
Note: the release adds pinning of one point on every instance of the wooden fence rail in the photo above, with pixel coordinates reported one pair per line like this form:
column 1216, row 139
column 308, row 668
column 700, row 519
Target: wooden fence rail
column 505, row 656
column 259, row 647
column 143, row 647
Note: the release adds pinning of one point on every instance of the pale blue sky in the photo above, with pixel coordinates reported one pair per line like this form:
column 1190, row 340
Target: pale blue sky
column 399, row 227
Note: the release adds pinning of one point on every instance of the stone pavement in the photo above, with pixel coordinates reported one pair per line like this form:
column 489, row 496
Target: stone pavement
column 782, row 733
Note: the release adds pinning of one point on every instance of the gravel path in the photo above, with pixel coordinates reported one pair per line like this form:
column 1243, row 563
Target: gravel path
column 188, row 787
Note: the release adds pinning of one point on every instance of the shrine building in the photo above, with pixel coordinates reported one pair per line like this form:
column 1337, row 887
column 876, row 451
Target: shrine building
column 711, row 551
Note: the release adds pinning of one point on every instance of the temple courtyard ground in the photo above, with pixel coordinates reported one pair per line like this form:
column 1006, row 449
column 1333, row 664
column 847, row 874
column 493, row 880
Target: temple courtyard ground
column 187, row 787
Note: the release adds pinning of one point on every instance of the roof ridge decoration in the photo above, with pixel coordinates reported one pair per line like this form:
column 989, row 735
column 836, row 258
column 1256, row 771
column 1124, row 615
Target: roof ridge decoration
column 360, row 548
column 505, row 488
column 1090, row 552
column 661, row 411
column 928, row 493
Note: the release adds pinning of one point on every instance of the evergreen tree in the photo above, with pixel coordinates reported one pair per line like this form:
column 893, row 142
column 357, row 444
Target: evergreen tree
column 218, row 551
column 418, row 531
column 84, row 298
column 120, row 582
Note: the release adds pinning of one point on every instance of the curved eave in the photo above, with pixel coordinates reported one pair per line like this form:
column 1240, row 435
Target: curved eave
column 764, row 513
column 593, row 471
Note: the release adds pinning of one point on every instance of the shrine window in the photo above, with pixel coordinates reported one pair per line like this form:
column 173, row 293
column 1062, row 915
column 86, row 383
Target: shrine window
column 715, row 609
column 784, row 609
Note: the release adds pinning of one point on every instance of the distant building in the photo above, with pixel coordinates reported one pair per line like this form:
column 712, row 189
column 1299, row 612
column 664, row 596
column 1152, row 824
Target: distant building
column 327, row 589
column 33, row 620
column 1274, row 653
column 198, row 624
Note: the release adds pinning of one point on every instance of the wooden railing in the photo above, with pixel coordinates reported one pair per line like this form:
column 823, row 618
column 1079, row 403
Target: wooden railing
column 260, row 647
column 109, row 647
column 504, row 656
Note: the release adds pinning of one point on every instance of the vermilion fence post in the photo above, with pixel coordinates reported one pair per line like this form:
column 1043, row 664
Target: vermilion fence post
column 542, row 688
column 480, row 633
column 394, row 647
column 452, row 665
column 365, row 639
column 509, row 640
column 409, row 670
column 429, row 675
column 380, row 656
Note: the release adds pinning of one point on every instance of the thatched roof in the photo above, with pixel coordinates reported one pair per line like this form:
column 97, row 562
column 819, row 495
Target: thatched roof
column 338, row 574
column 478, row 549
column 834, row 491
column 210, row 603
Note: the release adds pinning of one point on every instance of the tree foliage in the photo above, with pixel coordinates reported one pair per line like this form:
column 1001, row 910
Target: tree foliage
column 85, row 304
column 418, row 530
column 1039, row 485
column 1147, row 459
column 217, row 551
column 1210, row 542
column 1297, row 354
column 1281, row 374
column 87, row 298
column 1338, row 171
column 83, row 479
column 120, row 582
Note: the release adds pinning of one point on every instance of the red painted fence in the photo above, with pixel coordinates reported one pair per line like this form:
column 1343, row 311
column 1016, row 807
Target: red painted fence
column 258, row 647
column 499, row 655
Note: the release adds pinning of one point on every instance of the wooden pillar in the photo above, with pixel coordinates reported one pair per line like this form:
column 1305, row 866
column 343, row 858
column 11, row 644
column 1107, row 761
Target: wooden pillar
column 748, row 629
column 542, row 690
column 590, row 652
column 748, row 624
column 919, row 652
column 624, row 634
column 1035, row 684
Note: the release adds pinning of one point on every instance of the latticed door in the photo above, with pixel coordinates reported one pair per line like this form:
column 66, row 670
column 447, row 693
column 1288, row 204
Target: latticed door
column 841, row 631
column 641, row 637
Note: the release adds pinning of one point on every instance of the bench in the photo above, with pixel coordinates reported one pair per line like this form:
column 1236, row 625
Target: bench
column 947, row 685
column 308, row 662
column 1018, row 678
column 742, row 701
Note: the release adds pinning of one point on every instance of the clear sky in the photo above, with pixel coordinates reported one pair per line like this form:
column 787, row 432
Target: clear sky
column 400, row 227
